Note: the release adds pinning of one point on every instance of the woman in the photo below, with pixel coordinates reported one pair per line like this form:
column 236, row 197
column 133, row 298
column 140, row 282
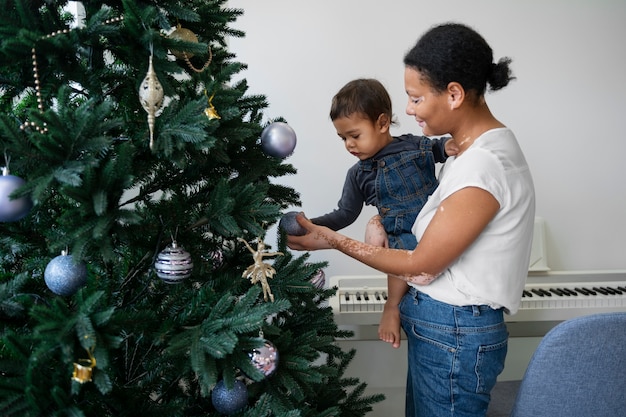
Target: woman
column 475, row 231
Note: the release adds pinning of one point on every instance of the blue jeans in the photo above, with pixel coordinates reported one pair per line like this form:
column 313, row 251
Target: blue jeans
column 455, row 355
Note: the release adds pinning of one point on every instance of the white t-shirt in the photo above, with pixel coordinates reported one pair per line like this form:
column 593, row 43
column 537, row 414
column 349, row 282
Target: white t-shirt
column 493, row 270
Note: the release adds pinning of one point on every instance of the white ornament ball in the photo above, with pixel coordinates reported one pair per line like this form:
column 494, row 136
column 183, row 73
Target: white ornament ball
column 278, row 139
column 174, row 264
column 64, row 276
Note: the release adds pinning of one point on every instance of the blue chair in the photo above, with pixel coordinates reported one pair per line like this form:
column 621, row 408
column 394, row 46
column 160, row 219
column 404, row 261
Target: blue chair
column 578, row 370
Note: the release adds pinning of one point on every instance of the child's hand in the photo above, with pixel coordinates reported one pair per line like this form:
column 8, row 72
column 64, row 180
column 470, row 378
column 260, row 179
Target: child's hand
column 451, row 147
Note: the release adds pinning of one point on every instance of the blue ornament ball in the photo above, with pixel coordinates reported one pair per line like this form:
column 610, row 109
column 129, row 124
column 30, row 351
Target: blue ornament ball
column 12, row 210
column 64, row 276
column 290, row 225
column 229, row 401
column 278, row 139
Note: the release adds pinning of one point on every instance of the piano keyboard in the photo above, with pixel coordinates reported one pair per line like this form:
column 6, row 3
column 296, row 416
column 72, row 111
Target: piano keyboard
column 549, row 297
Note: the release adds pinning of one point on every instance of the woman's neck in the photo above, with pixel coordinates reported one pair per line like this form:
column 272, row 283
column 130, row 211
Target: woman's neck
column 473, row 124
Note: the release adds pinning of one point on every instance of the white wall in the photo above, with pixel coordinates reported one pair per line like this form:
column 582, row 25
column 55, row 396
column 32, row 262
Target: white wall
column 566, row 107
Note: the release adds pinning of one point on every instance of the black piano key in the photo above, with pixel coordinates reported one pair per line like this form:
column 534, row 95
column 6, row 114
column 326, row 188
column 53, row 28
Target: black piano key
column 569, row 291
column 622, row 288
column 358, row 296
column 377, row 296
column 347, row 296
column 583, row 291
column 537, row 291
column 600, row 290
column 558, row 291
column 527, row 293
column 612, row 291
column 591, row 292
column 385, row 295
column 366, row 296
column 617, row 290
column 546, row 293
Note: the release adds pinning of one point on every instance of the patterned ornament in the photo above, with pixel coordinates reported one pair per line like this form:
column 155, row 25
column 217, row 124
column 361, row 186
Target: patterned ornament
column 151, row 98
column 290, row 225
column 173, row 264
column 318, row 279
column 216, row 257
column 64, row 276
column 229, row 401
column 278, row 139
column 12, row 209
column 265, row 358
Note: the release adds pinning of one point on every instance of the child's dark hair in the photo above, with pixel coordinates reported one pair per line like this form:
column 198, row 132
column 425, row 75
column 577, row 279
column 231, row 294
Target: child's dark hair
column 364, row 96
column 455, row 52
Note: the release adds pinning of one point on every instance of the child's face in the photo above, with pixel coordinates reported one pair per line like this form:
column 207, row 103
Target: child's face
column 361, row 136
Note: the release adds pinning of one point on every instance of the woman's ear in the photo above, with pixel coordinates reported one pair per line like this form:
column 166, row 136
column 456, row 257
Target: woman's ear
column 456, row 95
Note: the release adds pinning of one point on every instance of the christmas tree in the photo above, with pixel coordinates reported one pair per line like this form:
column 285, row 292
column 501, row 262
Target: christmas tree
column 136, row 193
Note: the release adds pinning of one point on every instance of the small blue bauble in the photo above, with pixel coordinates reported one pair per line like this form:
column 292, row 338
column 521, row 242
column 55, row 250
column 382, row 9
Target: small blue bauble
column 64, row 276
column 278, row 139
column 12, row 210
column 290, row 225
column 230, row 401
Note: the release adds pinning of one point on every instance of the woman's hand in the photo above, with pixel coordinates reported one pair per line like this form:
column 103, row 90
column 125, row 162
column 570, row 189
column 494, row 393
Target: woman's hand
column 317, row 237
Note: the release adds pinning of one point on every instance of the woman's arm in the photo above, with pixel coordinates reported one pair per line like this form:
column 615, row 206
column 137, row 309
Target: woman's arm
column 458, row 222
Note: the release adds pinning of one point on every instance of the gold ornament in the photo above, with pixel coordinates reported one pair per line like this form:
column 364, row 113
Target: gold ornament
column 151, row 98
column 182, row 34
column 259, row 271
column 187, row 35
column 210, row 111
column 83, row 369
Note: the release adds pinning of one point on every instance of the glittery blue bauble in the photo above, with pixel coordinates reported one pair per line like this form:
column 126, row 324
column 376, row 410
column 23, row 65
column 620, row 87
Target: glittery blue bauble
column 278, row 139
column 64, row 276
column 230, row 401
column 290, row 225
column 12, row 210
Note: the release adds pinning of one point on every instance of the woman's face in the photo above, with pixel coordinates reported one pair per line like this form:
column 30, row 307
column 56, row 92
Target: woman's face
column 428, row 107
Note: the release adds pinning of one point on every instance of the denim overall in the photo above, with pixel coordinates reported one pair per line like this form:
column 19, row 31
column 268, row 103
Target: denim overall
column 404, row 180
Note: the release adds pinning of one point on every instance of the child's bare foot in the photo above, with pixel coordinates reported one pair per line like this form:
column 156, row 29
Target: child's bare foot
column 389, row 326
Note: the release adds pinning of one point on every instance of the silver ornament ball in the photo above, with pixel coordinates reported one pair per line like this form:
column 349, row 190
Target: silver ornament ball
column 12, row 210
column 173, row 264
column 278, row 139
